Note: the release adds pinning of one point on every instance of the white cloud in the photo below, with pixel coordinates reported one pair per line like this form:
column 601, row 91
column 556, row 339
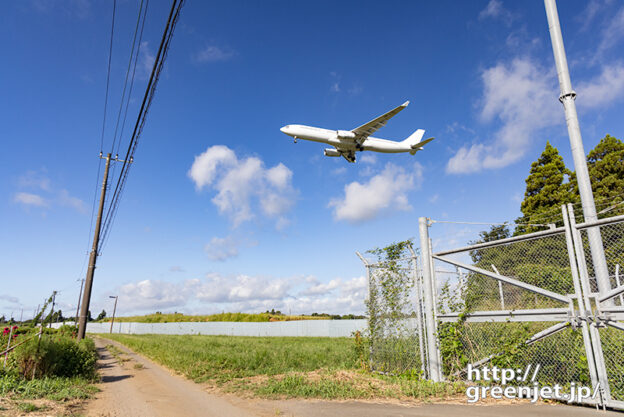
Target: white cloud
column 522, row 96
column 386, row 191
column 335, row 87
column 242, row 288
column 434, row 198
column 66, row 200
column 221, row 248
column 39, row 181
column 612, row 33
column 154, row 294
column 30, row 199
column 495, row 10
column 216, row 293
column 604, row 89
column 243, row 183
column 9, row 298
column 34, row 179
column 212, row 53
column 368, row 158
column 146, row 61
column 318, row 288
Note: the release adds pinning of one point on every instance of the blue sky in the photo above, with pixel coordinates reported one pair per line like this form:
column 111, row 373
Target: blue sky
column 260, row 222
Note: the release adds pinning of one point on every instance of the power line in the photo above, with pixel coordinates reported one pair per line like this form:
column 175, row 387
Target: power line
column 150, row 91
column 132, row 55
column 110, row 55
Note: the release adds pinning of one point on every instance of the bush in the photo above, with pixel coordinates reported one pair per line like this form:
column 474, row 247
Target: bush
column 55, row 355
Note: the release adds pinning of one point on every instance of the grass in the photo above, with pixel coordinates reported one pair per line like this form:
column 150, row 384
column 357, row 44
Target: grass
column 56, row 389
column 278, row 367
column 237, row 317
column 203, row 358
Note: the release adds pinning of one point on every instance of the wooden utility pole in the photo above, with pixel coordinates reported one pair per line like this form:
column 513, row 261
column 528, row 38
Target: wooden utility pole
column 86, row 298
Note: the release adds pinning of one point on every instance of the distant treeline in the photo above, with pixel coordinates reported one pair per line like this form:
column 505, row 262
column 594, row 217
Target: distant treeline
column 267, row 316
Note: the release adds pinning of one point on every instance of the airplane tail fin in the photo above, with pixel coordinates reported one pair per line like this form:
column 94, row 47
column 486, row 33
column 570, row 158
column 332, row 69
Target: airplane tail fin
column 414, row 138
column 415, row 142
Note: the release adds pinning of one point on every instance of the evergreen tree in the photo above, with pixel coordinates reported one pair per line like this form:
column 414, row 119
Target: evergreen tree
column 606, row 170
column 546, row 190
column 102, row 315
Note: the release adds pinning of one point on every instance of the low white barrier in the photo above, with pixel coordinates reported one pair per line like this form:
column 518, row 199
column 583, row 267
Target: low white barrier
column 298, row 328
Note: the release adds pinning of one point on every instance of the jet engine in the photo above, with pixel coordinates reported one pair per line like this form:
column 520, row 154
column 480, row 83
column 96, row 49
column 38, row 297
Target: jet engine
column 332, row 152
column 345, row 134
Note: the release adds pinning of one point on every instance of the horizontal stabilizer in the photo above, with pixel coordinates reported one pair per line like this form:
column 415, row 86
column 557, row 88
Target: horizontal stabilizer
column 421, row 144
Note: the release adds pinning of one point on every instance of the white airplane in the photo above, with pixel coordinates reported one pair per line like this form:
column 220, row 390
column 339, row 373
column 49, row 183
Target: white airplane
column 347, row 142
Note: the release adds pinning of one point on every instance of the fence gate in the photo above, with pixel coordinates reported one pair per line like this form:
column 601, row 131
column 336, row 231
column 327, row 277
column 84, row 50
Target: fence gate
column 528, row 302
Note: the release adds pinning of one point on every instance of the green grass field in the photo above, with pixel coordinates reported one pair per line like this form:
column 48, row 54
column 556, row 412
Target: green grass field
column 305, row 367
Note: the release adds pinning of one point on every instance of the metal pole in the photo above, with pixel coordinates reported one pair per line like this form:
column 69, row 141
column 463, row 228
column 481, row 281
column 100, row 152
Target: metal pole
column 567, row 97
column 500, row 289
column 594, row 333
column 419, row 315
column 114, row 309
column 429, row 314
column 434, row 286
column 617, row 281
column 78, row 305
column 86, row 299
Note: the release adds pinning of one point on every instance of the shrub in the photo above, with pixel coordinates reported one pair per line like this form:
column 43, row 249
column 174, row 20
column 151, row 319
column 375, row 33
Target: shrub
column 55, row 355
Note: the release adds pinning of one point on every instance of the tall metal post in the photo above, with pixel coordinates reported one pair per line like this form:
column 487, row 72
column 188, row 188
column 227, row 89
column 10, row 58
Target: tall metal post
column 114, row 309
column 430, row 326
column 86, row 298
column 567, row 97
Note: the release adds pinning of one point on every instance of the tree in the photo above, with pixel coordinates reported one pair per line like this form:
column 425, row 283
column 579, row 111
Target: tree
column 606, row 169
column 102, row 315
column 546, row 190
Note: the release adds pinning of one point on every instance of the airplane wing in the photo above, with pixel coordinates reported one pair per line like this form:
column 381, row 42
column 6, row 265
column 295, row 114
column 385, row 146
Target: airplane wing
column 371, row 127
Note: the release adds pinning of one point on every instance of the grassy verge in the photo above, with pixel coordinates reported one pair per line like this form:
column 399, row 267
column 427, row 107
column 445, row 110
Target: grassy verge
column 52, row 375
column 278, row 367
column 56, row 389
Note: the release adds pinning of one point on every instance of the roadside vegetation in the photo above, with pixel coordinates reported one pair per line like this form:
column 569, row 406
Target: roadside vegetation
column 45, row 370
column 268, row 316
column 284, row 367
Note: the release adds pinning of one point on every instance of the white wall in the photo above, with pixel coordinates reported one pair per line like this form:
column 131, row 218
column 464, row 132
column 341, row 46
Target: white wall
column 300, row 328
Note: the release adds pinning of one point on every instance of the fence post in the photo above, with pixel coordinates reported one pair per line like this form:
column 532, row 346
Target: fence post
column 419, row 315
column 432, row 346
column 594, row 333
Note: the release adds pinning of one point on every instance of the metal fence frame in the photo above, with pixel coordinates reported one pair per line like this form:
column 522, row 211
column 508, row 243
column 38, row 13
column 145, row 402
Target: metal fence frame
column 585, row 310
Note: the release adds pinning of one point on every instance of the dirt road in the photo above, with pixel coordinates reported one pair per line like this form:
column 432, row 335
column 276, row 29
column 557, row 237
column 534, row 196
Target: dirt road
column 134, row 386
column 140, row 388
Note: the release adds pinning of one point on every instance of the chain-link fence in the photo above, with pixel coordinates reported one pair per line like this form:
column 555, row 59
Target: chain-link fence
column 394, row 325
column 535, row 299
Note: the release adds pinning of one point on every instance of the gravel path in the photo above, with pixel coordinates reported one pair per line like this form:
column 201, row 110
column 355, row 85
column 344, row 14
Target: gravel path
column 141, row 388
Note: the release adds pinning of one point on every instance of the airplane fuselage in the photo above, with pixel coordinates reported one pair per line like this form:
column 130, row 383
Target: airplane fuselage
column 343, row 139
